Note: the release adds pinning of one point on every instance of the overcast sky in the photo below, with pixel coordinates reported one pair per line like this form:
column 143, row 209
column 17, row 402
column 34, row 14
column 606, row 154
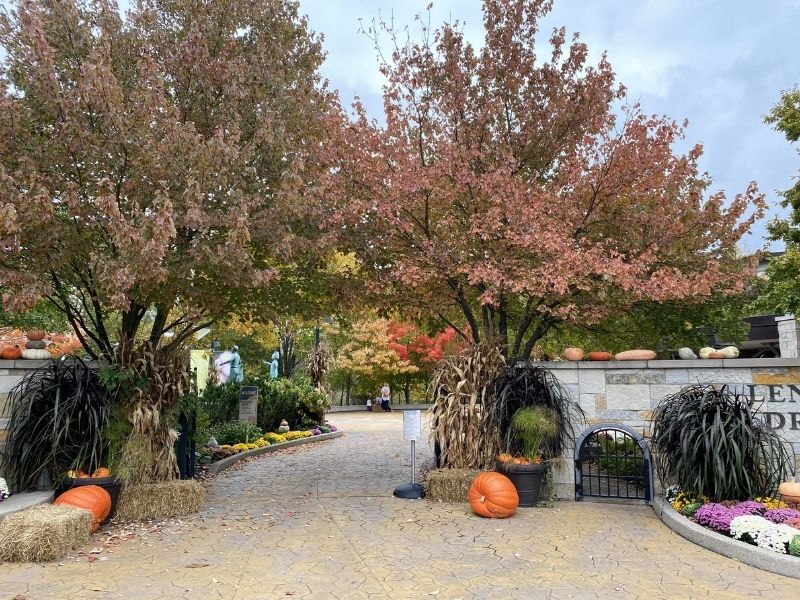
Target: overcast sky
column 719, row 63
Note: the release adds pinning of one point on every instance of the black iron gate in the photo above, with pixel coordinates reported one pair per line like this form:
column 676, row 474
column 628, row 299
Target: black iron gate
column 613, row 461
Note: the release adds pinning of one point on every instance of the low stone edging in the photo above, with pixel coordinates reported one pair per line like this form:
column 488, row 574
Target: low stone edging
column 228, row 461
column 23, row 501
column 767, row 560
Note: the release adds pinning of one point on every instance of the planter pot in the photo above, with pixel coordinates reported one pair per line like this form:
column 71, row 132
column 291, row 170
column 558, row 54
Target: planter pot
column 109, row 484
column 527, row 479
column 790, row 492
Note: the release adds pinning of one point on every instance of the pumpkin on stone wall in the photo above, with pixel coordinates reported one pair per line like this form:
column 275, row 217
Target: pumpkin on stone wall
column 573, row 354
column 10, row 353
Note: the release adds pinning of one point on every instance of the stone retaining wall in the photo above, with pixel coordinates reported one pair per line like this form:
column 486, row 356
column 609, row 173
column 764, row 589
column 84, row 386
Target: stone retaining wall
column 11, row 372
column 625, row 392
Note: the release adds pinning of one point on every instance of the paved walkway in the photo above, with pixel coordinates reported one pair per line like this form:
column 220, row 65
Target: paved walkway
column 320, row 521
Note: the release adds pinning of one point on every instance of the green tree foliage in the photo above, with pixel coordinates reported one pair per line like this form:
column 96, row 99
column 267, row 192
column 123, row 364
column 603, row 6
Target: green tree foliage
column 782, row 289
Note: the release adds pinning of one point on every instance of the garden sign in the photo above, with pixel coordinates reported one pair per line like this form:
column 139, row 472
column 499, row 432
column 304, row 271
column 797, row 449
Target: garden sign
column 248, row 404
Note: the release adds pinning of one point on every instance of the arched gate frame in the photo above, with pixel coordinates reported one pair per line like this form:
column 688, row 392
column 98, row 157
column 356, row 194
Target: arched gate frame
column 613, row 461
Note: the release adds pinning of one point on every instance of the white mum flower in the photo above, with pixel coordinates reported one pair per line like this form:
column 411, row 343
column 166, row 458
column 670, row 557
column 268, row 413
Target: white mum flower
column 3, row 490
column 776, row 538
column 748, row 527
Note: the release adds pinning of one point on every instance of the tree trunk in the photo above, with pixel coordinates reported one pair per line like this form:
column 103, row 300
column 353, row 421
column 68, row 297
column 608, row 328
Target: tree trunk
column 407, row 388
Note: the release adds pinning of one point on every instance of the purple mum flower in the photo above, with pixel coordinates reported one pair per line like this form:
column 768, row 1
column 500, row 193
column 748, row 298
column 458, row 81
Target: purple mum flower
column 750, row 507
column 779, row 515
column 718, row 517
column 715, row 516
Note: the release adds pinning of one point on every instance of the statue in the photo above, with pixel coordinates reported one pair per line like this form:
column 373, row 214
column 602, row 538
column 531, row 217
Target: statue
column 273, row 366
column 235, row 371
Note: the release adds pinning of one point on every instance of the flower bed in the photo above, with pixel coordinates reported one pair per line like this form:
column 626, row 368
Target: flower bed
column 767, row 523
column 268, row 439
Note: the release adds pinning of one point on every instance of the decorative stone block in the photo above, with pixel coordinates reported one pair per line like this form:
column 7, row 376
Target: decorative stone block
column 600, row 402
column 587, row 403
column 720, row 376
column 566, row 376
column 643, row 376
column 659, row 392
column 628, row 396
column 592, row 381
column 680, row 376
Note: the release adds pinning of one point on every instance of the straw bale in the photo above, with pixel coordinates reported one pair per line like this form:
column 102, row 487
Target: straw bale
column 449, row 485
column 159, row 500
column 43, row 533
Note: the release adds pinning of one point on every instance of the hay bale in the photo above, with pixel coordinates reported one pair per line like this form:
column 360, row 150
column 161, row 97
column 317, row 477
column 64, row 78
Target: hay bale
column 42, row 533
column 449, row 485
column 159, row 500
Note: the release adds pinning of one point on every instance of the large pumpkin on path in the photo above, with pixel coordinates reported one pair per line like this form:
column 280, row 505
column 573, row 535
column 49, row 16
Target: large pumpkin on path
column 88, row 497
column 493, row 495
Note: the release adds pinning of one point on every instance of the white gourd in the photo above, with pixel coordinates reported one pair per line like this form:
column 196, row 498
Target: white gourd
column 730, row 351
column 35, row 354
column 706, row 352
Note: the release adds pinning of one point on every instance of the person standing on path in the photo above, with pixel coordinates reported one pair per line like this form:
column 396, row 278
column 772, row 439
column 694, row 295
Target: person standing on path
column 386, row 396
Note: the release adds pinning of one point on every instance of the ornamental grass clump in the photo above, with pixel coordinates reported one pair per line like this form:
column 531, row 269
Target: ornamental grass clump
column 526, row 386
column 534, row 427
column 711, row 441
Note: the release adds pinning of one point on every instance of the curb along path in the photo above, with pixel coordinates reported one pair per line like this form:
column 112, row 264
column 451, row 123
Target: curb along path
column 320, row 521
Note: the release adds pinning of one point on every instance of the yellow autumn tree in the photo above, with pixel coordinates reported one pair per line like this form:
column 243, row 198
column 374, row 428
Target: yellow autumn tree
column 368, row 359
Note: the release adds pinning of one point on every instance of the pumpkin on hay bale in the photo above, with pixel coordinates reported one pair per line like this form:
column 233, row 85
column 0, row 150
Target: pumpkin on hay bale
column 160, row 500
column 493, row 495
column 43, row 533
column 449, row 485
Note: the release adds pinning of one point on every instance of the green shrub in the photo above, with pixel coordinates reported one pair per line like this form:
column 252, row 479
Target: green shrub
column 794, row 546
column 622, row 457
column 711, row 441
column 690, row 509
column 294, row 400
column 221, row 402
column 234, row 432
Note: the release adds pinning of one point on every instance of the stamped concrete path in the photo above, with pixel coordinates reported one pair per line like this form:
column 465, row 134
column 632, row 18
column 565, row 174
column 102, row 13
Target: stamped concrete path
column 320, row 522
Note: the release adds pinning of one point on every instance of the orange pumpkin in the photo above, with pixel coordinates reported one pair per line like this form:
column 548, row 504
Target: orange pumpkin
column 493, row 495
column 101, row 472
column 599, row 355
column 504, row 457
column 83, row 475
column 88, row 497
column 36, row 335
column 11, row 353
column 574, row 354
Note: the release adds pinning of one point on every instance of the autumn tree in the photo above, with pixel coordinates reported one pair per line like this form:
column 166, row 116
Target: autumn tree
column 368, row 357
column 153, row 166
column 517, row 186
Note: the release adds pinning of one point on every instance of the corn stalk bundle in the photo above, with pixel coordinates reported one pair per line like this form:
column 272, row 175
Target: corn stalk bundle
column 319, row 363
column 159, row 379
column 461, row 391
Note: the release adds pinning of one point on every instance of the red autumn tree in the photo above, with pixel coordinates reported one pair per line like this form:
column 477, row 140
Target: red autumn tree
column 519, row 189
